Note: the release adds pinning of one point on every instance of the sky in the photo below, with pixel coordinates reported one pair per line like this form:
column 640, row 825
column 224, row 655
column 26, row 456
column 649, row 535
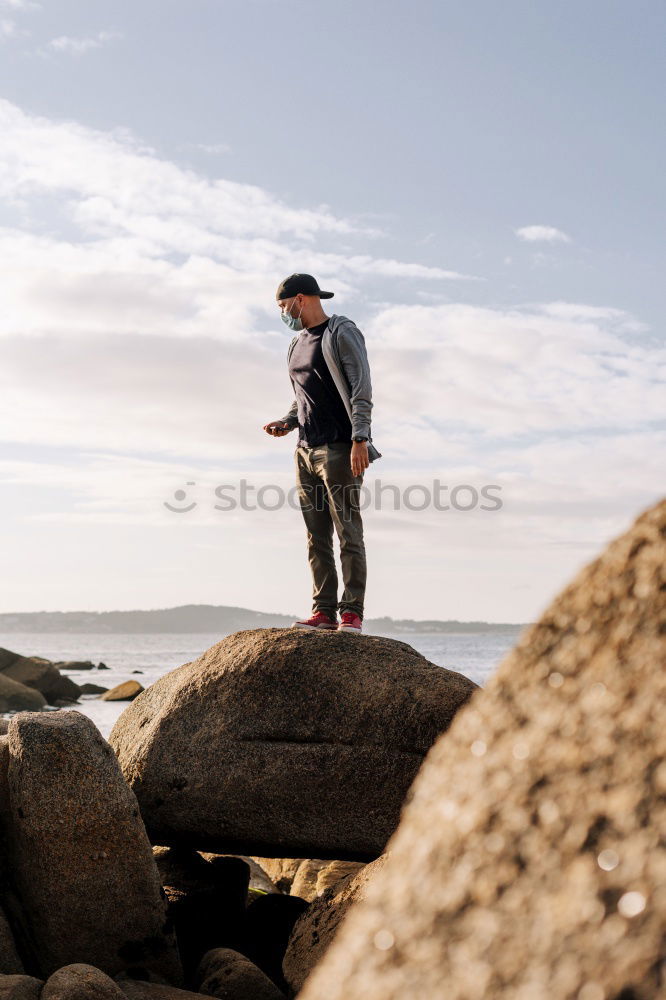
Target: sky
column 480, row 185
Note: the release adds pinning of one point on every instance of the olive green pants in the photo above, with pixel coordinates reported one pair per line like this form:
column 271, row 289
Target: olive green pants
column 329, row 497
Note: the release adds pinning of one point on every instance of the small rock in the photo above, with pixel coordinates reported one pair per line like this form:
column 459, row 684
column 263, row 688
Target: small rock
column 305, row 880
column 20, row 988
column 127, row 691
column 228, row 974
column 81, row 982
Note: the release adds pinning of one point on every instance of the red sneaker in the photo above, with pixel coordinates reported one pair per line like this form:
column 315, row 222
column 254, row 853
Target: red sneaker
column 318, row 620
column 350, row 622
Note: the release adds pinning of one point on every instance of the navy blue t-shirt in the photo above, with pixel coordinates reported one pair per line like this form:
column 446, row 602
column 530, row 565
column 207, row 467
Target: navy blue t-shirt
column 322, row 416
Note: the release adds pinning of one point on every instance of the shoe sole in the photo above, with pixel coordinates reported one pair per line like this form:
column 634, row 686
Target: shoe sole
column 350, row 628
column 317, row 628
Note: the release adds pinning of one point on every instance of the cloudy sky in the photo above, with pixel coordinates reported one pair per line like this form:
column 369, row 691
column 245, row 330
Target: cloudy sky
column 480, row 184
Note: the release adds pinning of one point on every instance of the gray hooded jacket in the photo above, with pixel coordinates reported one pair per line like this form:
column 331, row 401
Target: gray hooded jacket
column 343, row 347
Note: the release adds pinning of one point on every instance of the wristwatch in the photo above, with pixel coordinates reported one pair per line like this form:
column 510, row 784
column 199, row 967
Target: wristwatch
column 359, row 439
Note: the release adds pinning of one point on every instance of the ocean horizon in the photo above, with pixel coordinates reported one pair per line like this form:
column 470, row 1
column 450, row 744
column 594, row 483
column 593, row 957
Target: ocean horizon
column 146, row 657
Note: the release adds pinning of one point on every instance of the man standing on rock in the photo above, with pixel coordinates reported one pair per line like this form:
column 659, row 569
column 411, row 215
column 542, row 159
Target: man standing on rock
column 330, row 374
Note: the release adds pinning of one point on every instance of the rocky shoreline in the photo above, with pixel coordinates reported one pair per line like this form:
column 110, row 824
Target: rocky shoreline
column 335, row 818
column 34, row 684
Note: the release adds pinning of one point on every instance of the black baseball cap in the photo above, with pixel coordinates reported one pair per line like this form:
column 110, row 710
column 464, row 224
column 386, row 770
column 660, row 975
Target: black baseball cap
column 303, row 284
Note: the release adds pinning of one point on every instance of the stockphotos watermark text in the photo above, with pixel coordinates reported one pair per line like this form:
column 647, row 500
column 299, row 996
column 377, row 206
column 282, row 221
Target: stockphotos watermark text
column 347, row 498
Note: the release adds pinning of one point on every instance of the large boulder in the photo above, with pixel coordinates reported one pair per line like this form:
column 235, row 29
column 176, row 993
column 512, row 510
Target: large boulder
column 530, row 860
column 40, row 674
column 17, row 697
column 79, row 859
column 280, row 742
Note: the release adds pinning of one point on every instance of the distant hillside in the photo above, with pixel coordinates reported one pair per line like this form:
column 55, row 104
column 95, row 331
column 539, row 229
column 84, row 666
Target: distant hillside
column 207, row 618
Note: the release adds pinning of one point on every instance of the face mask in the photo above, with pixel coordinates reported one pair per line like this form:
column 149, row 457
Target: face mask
column 293, row 322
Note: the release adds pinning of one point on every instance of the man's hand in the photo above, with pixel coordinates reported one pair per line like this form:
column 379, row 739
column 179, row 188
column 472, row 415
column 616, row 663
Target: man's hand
column 277, row 428
column 359, row 457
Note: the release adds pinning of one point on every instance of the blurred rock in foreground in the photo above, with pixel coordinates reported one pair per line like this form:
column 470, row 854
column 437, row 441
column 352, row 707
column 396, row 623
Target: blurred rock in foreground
column 530, row 860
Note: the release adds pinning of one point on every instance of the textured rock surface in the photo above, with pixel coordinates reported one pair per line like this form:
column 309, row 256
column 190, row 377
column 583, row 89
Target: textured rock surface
column 314, row 931
column 281, row 871
column 80, row 982
column 305, row 879
column 81, row 863
column 335, row 873
column 530, row 860
column 20, row 988
column 40, row 674
column 227, row 974
column 315, row 875
column 126, row 691
column 16, row 697
column 279, row 741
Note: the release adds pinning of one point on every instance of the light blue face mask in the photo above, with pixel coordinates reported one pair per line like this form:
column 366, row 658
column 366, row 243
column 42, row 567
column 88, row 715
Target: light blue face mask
column 293, row 322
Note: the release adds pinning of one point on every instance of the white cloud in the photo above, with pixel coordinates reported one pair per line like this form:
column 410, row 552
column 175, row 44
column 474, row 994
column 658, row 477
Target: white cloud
column 126, row 228
column 139, row 340
column 8, row 28
column 545, row 234
column 68, row 43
